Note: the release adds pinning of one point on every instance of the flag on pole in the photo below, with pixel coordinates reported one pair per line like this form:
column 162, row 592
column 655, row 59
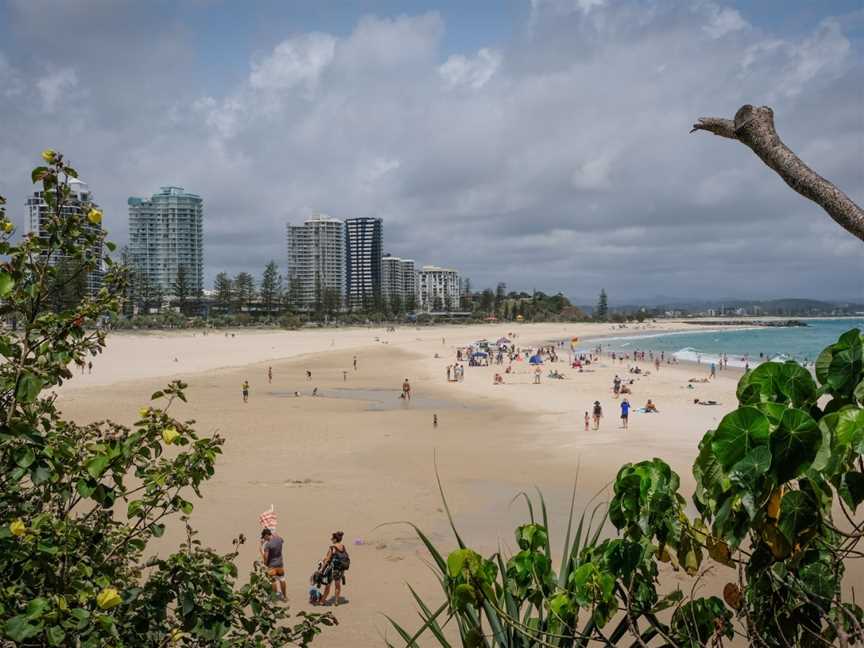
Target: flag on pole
column 268, row 518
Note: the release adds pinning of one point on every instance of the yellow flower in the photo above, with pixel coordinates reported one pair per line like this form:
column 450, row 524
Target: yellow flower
column 8, row 226
column 144, row 411
column 108, row 598
column 18, row 528
column 170, row 434
column 94, row 216
column 48, row 155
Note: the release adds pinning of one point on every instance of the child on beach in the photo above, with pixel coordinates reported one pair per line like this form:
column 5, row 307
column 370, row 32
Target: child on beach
column 586, row 421
column 245, row 391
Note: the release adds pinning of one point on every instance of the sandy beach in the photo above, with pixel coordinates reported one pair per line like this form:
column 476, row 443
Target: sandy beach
column 357, row 457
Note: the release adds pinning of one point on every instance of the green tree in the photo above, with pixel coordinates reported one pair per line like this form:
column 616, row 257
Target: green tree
column 293, row 295
column 396, row 306
column 271, row 289
column 331, row 301
column 80, row 503
column 500, row 295
column 487, row 301
column 224, row 289
column 244, row 290
column 601, row 313
column 411, row 303
column 181, row 289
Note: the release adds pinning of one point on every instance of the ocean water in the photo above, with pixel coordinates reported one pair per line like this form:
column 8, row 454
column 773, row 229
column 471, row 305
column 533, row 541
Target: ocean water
column 741, row 346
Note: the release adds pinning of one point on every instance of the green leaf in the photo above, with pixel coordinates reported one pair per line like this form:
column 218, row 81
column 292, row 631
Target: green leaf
column 19, row 628
column 158, row 530
column 97, row 465
column 799, row 517
column 823, row 361
column 111, row 246
column 859, row 392
column 819, row 580
column 738, row 433
column 25, row 456
column 747, row 472
column 186, row 507
column 797, row 384
column 794, row 444
column 55, row 635
column 38, row 173
column 851, row 489
column 7, row 283
column 29, row 387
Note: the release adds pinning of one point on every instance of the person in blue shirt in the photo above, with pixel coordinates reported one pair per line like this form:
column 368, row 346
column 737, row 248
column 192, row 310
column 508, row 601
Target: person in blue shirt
column 625, row 412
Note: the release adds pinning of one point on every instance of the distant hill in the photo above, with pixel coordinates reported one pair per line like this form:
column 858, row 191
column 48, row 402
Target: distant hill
column 786, row 306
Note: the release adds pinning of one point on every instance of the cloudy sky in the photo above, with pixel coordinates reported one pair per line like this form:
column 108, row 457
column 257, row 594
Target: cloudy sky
column 543, row 143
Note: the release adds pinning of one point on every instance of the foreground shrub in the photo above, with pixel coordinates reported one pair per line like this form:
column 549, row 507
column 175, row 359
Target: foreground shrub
column 79, row 504
column 772, row 480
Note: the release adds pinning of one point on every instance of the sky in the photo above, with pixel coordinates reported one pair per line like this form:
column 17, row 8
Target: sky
column 542, row 143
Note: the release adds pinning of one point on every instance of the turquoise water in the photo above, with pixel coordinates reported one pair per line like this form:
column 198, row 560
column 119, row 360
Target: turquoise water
column 800, row 343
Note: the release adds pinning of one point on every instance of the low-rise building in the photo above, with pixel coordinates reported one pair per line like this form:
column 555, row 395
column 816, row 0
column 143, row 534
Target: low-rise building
column 438, row 289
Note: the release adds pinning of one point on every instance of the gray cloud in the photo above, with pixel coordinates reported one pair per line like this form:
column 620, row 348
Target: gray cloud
column 559, row 160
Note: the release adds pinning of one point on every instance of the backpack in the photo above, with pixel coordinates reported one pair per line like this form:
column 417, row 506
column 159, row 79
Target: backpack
column 341, row 561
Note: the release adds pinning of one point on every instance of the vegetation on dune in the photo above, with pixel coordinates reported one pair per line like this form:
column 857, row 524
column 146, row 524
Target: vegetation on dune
column 80, row 504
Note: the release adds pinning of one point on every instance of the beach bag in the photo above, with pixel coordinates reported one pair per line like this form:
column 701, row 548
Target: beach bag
column 341, row 561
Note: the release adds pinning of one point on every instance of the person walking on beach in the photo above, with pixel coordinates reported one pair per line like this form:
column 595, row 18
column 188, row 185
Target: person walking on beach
column 271, row 554
column 537, row 373
column 355, row 363
column 335, row 563
column 713, row 370
column 308, row 375
column 586, row 421
column 245, row 391
column 598, row 414
column 616, row 385
column 625, row 413
column 270, row 375
column 406, row 390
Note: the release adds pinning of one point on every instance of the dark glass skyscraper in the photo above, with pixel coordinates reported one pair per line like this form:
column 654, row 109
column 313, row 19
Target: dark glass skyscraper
column 363, row 245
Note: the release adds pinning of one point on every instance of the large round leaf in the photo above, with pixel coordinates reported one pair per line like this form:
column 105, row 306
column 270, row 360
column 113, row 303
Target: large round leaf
column 796, row 384
column 799, row 517
column 794, row 444
column 747, row 472
column 738, row 433
column 761, row 384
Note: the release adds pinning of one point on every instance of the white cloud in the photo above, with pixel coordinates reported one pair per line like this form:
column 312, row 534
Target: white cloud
column 296, row 61
column 54, row 85
column 475, row 72
column 723, row 21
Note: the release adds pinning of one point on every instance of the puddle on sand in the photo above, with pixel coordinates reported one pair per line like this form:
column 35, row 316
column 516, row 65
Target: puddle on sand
column 383, row 400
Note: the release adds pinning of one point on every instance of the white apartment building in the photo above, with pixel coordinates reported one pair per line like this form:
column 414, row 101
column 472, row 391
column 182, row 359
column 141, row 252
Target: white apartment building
column 399, row 280
column 80, row 199
column 166, row 233
column 316, row 260
column 438, row 289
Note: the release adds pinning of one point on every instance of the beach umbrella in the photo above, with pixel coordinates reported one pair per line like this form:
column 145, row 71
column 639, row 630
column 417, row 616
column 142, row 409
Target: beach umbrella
column 536, row 360
column 502, row 340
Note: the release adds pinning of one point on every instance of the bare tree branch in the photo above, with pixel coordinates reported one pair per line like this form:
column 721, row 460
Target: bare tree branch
column 755, row 128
